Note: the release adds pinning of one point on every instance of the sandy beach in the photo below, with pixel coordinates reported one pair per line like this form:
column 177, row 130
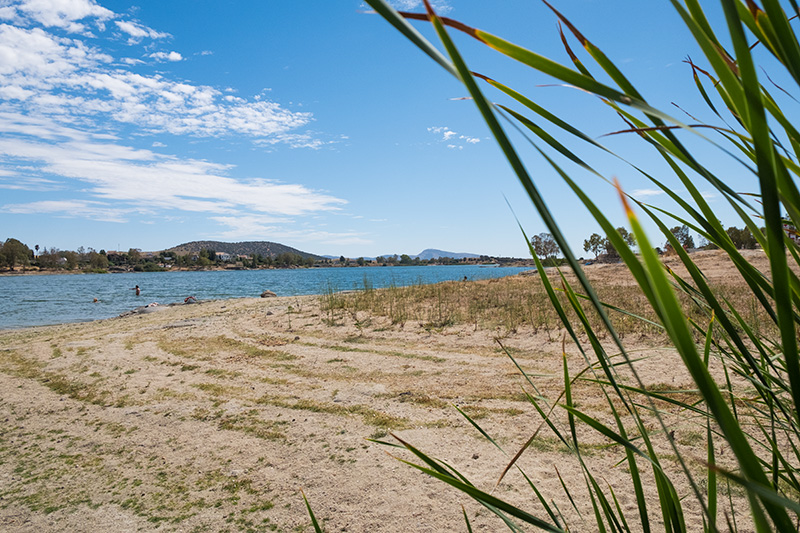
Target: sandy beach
column 214, row 417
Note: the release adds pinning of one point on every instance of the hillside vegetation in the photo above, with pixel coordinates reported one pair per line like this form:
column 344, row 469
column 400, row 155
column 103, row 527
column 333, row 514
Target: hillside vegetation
column 250, row 248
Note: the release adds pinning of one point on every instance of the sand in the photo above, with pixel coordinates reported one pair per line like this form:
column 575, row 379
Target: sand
column 214, row 417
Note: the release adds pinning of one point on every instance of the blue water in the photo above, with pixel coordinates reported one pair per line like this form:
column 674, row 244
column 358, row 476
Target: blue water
column 59, row 298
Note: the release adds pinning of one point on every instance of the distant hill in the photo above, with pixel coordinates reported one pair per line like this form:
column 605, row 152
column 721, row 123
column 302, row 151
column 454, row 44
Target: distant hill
column 265, row 248
column 432, row 253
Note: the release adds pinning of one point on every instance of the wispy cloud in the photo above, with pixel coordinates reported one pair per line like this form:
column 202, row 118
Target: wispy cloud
column 137, row 32
column 72, row 209
column 13, row 181
column 257, row 227
column 137, row 179
column 440, row 6
column 452, row 139
column 649, row 193
column 646, row 193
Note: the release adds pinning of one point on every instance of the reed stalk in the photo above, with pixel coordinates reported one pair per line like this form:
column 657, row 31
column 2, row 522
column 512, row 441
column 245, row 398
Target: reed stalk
column 750, row 406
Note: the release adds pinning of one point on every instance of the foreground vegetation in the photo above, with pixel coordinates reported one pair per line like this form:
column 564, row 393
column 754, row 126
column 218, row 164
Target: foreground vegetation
column 758, row 424
column 508, row 305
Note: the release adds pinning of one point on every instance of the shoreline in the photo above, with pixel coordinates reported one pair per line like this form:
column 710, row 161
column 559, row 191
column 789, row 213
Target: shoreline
column 41, row 299
column 148, row 309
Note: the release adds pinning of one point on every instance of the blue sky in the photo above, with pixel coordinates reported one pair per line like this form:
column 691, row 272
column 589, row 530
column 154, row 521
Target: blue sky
column 313, row 124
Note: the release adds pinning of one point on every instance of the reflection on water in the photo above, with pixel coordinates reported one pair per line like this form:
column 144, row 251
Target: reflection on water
column 33, row 300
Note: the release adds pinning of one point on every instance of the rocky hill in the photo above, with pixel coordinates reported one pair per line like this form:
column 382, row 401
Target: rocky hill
column 264, row 248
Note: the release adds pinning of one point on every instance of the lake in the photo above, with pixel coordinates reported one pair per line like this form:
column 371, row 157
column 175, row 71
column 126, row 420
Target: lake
column 36, row 300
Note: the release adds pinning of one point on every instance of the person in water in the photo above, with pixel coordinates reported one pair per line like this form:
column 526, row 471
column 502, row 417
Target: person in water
column 138, row 291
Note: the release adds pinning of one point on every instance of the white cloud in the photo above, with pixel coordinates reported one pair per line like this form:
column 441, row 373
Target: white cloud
column 137, row 32
column 24, row 183
column 136, row 179
column 63, row 14
column 166, row 56
column 70, row 80
column 294, row 140
column 644, row 193
column 452, row 139
column 71, row 209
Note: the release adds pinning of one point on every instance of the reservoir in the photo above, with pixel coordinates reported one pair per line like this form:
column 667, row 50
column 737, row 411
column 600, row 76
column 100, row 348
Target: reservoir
column 35, row 300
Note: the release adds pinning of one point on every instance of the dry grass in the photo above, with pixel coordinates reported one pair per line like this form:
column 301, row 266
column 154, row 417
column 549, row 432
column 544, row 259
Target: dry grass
column 508, row 304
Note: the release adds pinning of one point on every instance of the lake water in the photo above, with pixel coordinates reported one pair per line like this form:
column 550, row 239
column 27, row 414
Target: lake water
column 31, row 300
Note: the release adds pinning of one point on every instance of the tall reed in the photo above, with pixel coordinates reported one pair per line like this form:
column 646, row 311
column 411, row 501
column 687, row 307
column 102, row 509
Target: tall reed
column 751, row 406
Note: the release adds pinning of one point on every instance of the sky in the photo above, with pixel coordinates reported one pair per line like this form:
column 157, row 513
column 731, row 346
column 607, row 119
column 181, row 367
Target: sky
column 313, row 124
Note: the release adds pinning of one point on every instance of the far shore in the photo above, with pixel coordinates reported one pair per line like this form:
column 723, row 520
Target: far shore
column 42, row 272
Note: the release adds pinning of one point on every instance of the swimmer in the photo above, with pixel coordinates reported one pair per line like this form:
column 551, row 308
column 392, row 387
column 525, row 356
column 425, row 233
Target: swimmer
column 138, row 291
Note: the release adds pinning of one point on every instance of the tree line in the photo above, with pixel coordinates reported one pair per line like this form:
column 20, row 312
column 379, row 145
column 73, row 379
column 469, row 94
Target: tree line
column 545, row 246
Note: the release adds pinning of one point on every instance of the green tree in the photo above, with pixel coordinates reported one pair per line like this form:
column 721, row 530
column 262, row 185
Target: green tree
column 15, row 253
column 742, row 238
column 72, row 259
column 627, row 237
column 544, row 245
column 684, row 237
column 98, row 261
column 49, row 258
column 361, row 261
column 134, row 256
column 595, row 243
